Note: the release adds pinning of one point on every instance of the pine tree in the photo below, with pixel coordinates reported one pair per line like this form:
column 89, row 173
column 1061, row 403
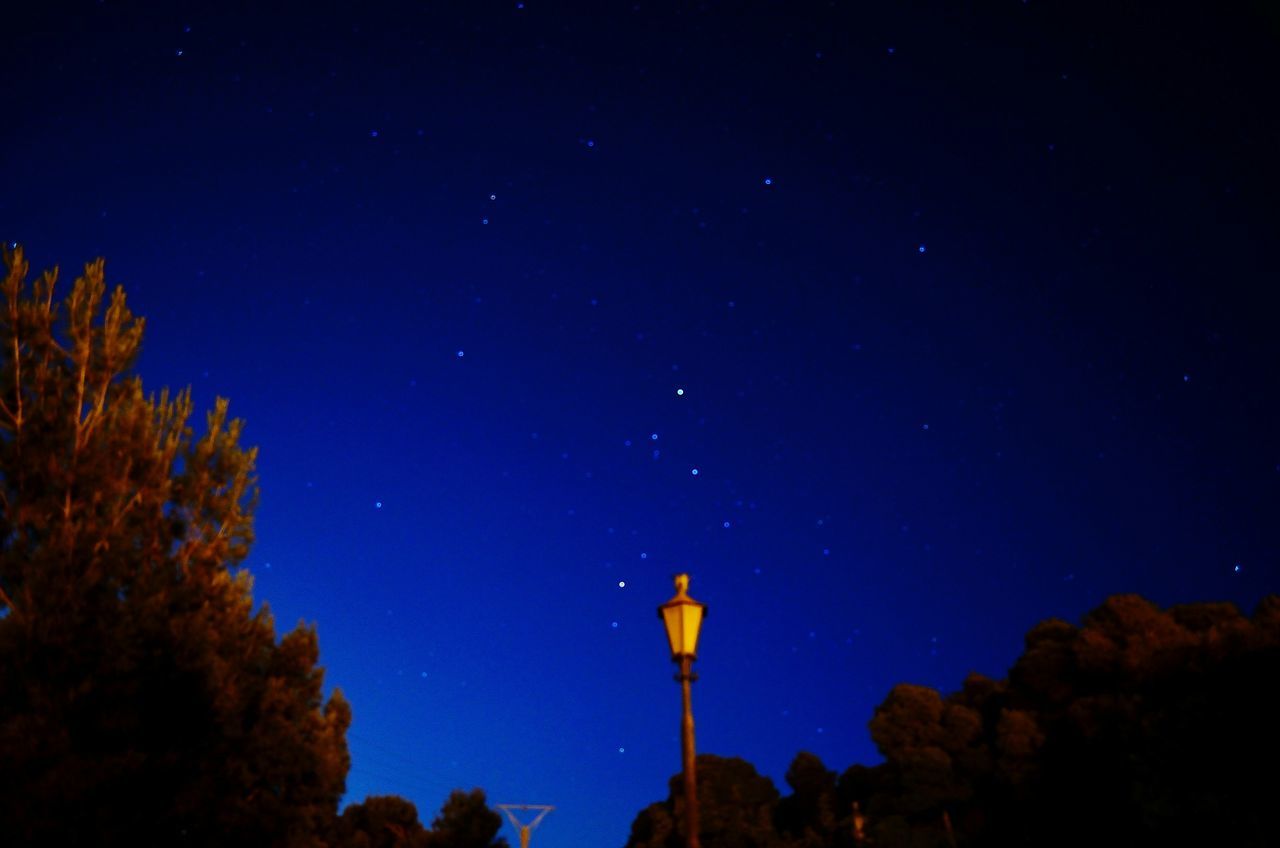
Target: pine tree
column 143, row 699
column 736, row 806
column 381, row 821
column 465, row 821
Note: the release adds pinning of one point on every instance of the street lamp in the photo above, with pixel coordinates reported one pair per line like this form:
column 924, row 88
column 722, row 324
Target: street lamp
column 682, row 616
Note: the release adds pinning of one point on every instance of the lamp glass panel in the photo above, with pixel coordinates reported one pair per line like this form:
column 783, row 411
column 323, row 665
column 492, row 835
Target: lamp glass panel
column 692, row 624
column 673, row 622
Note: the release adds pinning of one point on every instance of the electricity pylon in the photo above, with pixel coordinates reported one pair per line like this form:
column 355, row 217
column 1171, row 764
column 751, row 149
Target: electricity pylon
column 525, row 829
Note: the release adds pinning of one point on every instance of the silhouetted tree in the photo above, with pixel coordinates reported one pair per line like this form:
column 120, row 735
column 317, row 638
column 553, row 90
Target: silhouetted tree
column 465, row 821
column 143, row 700
column 735, row 806
column 1138, row 727
column 807, row 817
column 381, row 821
column 1142, row 726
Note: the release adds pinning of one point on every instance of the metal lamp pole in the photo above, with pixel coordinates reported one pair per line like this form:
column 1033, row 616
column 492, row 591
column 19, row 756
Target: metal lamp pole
column 682, row 616
column 686, row 678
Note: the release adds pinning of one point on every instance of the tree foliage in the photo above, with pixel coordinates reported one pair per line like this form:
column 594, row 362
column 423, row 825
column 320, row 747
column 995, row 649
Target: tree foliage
column 143, row 699
column 1141, row 726
column 381, row 821
column 807, row 817
column 735, row 807
column 465, row 821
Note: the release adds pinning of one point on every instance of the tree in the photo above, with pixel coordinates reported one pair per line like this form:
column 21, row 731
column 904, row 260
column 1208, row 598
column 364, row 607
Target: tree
column 143, row 700
column 389, row 821
column 807, row 817
column 1141, row 726
column 381, row 821
column 1137, row 727
column 735, row 806
column 465, row 821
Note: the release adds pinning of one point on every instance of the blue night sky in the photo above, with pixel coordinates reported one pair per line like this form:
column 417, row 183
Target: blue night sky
column 901, row 327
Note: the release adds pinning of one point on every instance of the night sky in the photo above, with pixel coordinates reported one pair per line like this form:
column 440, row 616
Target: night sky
column 900, row 327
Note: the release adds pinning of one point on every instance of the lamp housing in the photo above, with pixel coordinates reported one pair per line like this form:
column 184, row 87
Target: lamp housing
column 682, row 616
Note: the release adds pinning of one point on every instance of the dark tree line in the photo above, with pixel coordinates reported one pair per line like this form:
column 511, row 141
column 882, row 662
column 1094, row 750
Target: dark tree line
column 1140, row 727
column 143, row 699
column 389, row 821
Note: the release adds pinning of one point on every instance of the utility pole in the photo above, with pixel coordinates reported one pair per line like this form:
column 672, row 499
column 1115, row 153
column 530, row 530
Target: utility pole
column 521, row 827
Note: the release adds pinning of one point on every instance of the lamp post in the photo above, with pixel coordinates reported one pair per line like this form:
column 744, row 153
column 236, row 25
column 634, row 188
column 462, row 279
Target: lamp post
column 682, row 616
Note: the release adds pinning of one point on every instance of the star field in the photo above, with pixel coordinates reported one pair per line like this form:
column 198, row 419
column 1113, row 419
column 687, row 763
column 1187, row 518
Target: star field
column 901, row 327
